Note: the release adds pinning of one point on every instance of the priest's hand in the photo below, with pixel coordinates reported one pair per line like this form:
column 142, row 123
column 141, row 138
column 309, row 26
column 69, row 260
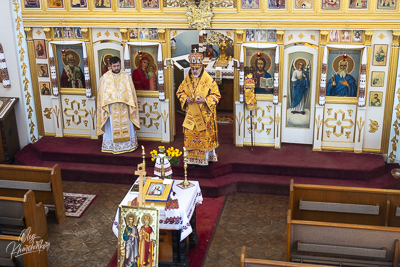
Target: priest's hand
column 199, row 100
column 189, row 100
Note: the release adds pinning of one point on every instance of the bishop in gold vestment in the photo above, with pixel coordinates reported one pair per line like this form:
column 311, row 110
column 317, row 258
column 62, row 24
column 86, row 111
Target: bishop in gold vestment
column 117, row 111
column 199, row 96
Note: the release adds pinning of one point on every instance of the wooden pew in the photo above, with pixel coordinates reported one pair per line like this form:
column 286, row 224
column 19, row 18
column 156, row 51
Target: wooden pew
column 45, row 182
column 343, row 225
column 16, row 214
column 35, row 258
column 251, row 262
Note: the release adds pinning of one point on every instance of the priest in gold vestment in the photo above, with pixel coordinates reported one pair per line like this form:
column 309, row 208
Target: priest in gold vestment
column 199, row 96
column 117, row 110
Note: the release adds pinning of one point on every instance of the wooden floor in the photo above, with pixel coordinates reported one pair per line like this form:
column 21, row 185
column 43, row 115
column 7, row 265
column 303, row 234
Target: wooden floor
column 255, row 221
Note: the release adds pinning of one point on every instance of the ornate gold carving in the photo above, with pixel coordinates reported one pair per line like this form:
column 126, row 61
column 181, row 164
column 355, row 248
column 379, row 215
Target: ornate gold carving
column 381, row 36
column 165, row 119
column 84, row 102
column 260, row 119
column 68, row 122
column 277, row 121
column 85, row 122
column 360, row 125
column 47, row 113
column 25, row 79
column 329, row 111
column 92, row 114
column 47, row 33
column 28, row 33
column 66, row 100
column 350, row 111
column 396, row 37
column 323, row 37
column 200, row 15
column 76, row 112
column 116, row 34
column 374, row 126
column 301, row 35
column 318, row 123
column 224, row 3
column 279, row 37
column 157, row 125
column 85, row 34
column 124, row 34
column 290, row 37
column 239, row 36
column 98, row 34
column 57, row 114
column 339, row 123
column 107, row 33
column 269, row 108
column 328, row 134
column 268, row 130
column 38, row 32
column 148, row 115
column 239, row 121
column 161, row 35
column 368, row 37
column 312, row 37
column 347, row 134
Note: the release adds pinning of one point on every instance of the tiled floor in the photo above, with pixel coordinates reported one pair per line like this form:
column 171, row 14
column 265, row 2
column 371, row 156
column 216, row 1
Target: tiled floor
column 255, row 221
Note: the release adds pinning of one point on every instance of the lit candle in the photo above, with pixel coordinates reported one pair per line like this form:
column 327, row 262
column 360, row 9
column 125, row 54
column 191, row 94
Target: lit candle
column 143, row 150
column 184, row 152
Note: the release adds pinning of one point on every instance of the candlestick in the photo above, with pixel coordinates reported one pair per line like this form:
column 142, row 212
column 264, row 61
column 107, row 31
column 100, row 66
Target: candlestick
column 144, row 156
column 185, row 184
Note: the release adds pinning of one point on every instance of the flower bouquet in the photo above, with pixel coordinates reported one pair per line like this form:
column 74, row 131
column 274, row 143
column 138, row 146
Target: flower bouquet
column 164, row 159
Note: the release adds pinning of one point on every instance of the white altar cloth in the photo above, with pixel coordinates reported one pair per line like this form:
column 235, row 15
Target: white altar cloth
column 177, row 219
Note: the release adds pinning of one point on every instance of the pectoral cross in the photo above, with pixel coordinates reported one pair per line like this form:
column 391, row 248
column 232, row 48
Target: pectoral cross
column 195, row 50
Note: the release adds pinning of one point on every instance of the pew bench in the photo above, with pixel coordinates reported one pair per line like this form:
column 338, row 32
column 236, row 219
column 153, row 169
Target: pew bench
column 34, row 259
column 343, row 226
column 252, row 262
column 16, row 214
column 45, row 182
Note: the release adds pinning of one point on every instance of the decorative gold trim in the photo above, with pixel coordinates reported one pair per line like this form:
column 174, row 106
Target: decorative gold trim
column 28, row 33
column 318, row 123
column 323, row 37
column 77, row 135
column 341, row 100
column 337, row 148
column 161, row 35
column 124, row 34
column 368, row 38
column 72, row 91
column 371, row 150
column 360, row 125
column 391, row 92
column 396, row 37
column 280, row 35
column 142, row 93
column 239, row 36
column 150, row 139
column 86, row 34
column 264, row 97
column 48, row 33
column 259, row 144
column 239, row 121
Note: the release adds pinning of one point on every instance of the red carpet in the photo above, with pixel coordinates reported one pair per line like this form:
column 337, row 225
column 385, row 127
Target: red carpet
column 207, row 217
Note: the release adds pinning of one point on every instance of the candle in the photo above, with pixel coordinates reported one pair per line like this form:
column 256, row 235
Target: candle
column 184, row 152
column 143, row 150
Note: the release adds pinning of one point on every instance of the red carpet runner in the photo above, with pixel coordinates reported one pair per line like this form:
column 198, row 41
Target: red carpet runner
column 207, row 218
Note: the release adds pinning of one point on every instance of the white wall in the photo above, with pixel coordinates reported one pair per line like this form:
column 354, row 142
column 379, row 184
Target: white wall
column 11, row 54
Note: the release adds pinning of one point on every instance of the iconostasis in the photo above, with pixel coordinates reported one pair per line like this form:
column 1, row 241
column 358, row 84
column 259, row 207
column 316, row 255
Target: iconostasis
column 331, row 85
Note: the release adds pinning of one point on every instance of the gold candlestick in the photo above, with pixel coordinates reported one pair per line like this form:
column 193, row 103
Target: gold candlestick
column 144, row 156
column 185, row 184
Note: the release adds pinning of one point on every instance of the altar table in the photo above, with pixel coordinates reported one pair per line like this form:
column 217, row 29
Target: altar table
column 175, row 225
